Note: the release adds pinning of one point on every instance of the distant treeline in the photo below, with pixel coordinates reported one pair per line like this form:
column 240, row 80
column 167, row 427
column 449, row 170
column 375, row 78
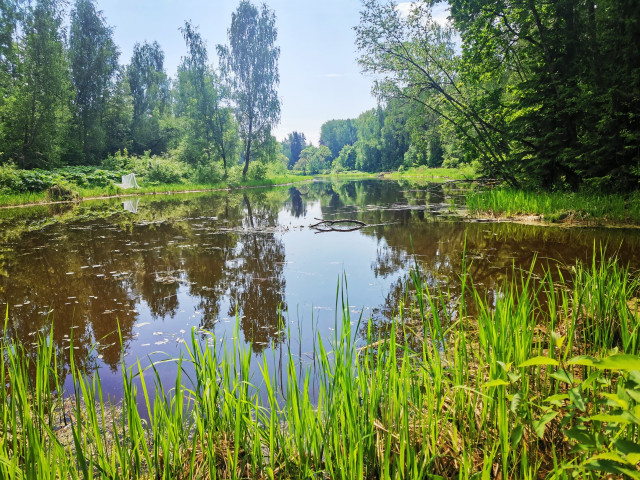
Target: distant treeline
column 386, row 138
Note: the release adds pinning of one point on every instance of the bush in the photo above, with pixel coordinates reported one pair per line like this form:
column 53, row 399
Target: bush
column 119, row 161
column 61, row 192
column 234, row 176
column 257, row 171
column 10, row 180
column 208, row 174
column 164, row 170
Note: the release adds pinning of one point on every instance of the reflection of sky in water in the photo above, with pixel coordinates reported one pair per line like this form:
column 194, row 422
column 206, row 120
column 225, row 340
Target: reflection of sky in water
column 161, row 266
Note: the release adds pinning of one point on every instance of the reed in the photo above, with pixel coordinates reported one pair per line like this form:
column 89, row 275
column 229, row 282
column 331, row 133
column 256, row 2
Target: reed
column 557, row 206
column 539, row 379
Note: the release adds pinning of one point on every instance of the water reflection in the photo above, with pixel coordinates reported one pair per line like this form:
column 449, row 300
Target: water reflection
column 158, row 266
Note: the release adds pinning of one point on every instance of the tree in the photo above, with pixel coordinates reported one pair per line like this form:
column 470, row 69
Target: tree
column 35, row 109
column 10, row 13
column 335, row 134
column 250, row 66
column 201, row 98
column 414, row 59
column 314, row 160
column 149, row 87
column 94, row 62
column 292, row 146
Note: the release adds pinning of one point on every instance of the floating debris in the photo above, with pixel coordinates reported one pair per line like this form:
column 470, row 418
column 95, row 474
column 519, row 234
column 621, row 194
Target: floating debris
column 141, row 324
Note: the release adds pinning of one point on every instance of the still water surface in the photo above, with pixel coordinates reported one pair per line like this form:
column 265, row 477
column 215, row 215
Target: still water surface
column 159, row 266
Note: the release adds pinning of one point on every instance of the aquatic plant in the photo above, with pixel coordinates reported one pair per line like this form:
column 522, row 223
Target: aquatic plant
column 539, row 379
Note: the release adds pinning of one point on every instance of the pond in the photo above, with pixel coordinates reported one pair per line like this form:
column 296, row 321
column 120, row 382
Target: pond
column 150, row 269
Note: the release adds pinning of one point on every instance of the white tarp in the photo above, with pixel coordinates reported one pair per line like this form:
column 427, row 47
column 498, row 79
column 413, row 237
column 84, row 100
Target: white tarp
column 129, row 181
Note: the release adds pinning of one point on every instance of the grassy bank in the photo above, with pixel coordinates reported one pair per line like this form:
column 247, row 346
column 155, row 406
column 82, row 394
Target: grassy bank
column 557, row 207
column 60, row 188
column 466, row 172
column 539, row 380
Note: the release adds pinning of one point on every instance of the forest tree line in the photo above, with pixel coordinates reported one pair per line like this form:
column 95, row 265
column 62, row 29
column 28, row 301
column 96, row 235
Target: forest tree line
column 66, row 100
column 538, row 94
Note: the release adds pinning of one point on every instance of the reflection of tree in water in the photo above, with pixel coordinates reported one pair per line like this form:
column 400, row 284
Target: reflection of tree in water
column 160, row 282
column 82, row 299
column 296, row 206
column 257, row 282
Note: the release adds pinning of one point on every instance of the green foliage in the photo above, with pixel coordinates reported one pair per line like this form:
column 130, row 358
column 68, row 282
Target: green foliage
column 457, row 387
column 162, row 170
column 149, row 87
column 61, row 192
column 292, row 147
column 93, row 60
column 346, row 159
column 207, row 174
column 249, row 65
column 542, row 95
column 34, row 108
column 336, row 134
column 257, row 171
column 579, row 206
column 209, row 128
column 314, row 160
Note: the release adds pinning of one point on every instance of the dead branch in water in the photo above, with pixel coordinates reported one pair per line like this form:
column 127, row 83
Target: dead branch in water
column 329, row 225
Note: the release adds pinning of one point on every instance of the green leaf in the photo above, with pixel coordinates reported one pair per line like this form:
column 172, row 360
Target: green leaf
column 495, row 383
column 585, row 360
column 516, row 436
column 620, row 362
column 577, row 399
column 558, row 339
column 583, row 438
column 627, row 447
column 505, row 366
column 604, row 417
column 635, row 395
column 540, row 425
column 615, row 401
column 605, row 465
column 515, row 402
column 539, row 360
column 514, row 377
column 612, row 456
column 563, row 376
column 556, row 399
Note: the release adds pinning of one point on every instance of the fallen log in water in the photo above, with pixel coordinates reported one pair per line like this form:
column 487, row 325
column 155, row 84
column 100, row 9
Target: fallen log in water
column 329, row 225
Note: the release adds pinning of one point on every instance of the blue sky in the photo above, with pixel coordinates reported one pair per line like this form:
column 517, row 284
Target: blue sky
column 319, row 76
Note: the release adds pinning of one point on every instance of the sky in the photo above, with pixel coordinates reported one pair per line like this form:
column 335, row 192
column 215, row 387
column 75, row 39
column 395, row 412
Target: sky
column 319, row 76
column 320, row 79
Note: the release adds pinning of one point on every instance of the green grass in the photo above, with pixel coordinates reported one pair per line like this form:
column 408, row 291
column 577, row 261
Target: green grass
column 14, row 199
column 557, row 207
column 437, row 174
column 541, row 379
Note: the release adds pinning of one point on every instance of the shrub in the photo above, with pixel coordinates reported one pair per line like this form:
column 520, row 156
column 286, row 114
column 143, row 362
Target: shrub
column 208, row 174
column 38, row 180
column 119, row 161
column 164, row 170
column 10, row 179
column 61, row 192
column 257, row 171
